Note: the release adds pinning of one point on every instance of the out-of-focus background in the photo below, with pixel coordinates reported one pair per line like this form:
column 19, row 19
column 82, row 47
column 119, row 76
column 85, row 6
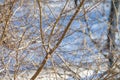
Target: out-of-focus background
column 30, row 29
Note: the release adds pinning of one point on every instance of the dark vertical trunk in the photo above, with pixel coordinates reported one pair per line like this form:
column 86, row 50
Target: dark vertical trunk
column 112, row 30
column 75, row 1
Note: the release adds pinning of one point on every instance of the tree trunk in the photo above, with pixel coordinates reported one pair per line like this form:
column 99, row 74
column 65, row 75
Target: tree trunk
column 112, row 30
